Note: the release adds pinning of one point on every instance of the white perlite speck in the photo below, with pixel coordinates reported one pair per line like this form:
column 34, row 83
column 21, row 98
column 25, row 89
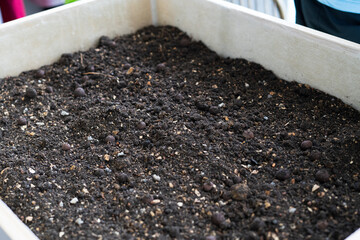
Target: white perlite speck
column 79, row 221
column 74, row 200
column 156, row 177
column 121, row 154
column 64, row 113
column 292, row 210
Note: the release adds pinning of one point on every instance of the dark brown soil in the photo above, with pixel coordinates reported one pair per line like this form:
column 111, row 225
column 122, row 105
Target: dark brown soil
column 153, row 136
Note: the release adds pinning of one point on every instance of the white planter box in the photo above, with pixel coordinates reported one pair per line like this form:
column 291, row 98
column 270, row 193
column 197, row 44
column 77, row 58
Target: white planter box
column 292, row 52
column 11, row 227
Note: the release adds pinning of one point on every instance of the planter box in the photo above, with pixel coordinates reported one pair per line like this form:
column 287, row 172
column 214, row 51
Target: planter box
column 11, row 226
column 292, row 52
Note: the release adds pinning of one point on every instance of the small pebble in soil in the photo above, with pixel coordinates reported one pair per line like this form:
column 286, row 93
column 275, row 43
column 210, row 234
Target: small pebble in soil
column 155, row 201
column 214, row 110
column 126, row 66
column 49, row 89
column 30, row 93
column 160, row 67
column 239, row 191
column 257, row 224
column 208, row 186
column 307, row 144
column 173, row 231
column 79, row 92
column 322, row 176
column 315, row 155
column 185, row 42
column 121, row 84
column 90, row 68
column 282, row 174
column 218, row 218
column 65, row 146
column 356, row 186
column 226, row 195
column 141, row 125
column 248, row 134
column 110, row 139
column 122, row 178
column 322, row 225
column 40, row 73
column 179, row 97
column 99, row 172
column 147, row 199
column 21, row 121
column 146, row 143
column 237, row 179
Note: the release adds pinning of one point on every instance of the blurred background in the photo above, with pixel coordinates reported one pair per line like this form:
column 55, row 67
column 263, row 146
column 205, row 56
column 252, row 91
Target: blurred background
column 284, row 9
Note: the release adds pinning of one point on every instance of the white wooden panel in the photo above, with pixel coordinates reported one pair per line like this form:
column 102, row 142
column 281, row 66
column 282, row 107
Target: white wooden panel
column 11, row 227
column 40, row 39
column 292, row 52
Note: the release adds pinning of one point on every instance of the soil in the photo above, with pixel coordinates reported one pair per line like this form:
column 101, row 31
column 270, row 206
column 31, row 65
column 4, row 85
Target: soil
column 154, row 136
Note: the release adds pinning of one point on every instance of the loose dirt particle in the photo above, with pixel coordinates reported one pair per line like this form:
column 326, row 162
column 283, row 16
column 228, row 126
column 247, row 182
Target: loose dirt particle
column 257, row 224
column 65, row 146
column 307, row 144
column 79, row 92
column 160, row 67
column 322, row 176
column 110, row 139
column 208, row 186
column 30, row 93
column 122, row 178
column 248, row 134
column 141, row 125
column 282, row 174
column 322, row 225
column 21, row 121
column 218, row 219
column 49, row 89
column 40, row 73
column 240, row 191
column 315, row 155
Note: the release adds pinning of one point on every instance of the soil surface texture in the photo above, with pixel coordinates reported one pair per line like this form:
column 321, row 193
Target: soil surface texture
column 154, row 136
